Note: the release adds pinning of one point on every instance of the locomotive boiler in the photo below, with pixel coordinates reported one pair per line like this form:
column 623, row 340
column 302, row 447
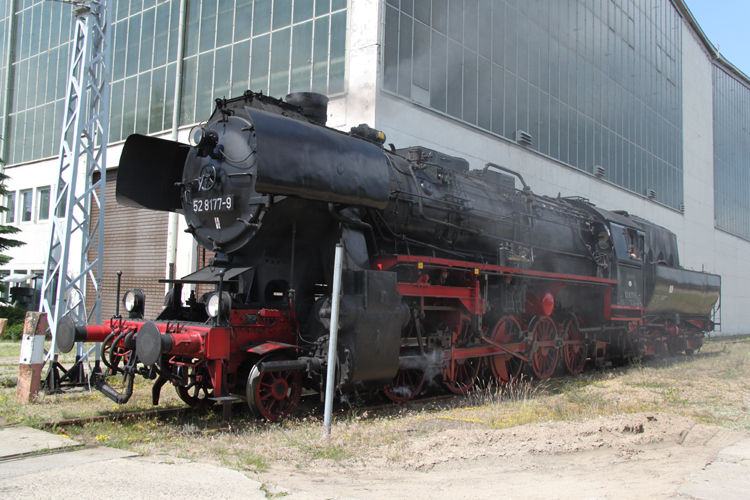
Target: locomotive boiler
column 450, row 272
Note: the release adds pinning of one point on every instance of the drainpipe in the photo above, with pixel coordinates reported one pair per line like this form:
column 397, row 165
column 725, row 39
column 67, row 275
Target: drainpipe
column 174, row 218
column 7, row 91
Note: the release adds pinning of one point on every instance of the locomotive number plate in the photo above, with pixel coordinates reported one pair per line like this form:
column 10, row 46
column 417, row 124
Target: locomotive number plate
column 219, row 204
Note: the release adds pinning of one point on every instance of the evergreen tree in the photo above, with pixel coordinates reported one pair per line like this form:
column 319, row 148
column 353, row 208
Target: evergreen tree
column 6, row 231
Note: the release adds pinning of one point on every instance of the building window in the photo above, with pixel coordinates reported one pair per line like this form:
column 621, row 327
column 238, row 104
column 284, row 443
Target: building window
column 10, row 205
column 731, row 154
column 593, row 83
column 43, row 203
column 26, row 199
column 230, row 46
column 4, row 295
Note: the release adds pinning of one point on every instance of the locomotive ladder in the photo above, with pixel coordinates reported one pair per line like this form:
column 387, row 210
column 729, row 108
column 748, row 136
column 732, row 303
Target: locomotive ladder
column 74, row 257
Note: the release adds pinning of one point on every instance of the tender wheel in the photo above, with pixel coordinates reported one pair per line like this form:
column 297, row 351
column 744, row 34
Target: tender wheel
column 575, row 355
column 199, row 388
column 506, row 331
column 406, row 385
column 544, row 360
column 273, row 395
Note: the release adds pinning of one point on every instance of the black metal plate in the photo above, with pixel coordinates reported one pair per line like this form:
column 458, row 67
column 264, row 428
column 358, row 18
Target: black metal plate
column 223, row 203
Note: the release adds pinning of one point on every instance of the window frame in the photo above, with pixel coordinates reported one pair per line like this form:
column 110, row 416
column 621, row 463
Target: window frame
column 10, row 213
column 21, row 194
column 39, row 205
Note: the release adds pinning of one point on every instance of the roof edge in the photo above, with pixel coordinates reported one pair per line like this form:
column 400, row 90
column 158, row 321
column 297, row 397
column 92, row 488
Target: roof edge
column 716, row 56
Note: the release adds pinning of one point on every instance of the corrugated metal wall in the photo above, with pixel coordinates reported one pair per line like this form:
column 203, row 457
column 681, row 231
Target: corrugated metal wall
column 135, row 242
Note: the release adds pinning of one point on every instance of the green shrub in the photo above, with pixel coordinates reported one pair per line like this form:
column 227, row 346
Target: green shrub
column 16, row 317
column 13, row 332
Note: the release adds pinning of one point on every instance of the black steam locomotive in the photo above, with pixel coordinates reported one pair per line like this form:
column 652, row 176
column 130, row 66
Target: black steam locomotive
column 449, row 272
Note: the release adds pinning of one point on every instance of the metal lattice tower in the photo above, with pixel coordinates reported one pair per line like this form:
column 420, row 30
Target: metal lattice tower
column 74, row 258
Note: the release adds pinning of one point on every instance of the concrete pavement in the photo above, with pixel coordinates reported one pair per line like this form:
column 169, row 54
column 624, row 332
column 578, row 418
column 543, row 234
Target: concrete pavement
column 39, row 465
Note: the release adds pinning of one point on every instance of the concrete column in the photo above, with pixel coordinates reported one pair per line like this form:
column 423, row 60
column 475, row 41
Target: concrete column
column 32, row 356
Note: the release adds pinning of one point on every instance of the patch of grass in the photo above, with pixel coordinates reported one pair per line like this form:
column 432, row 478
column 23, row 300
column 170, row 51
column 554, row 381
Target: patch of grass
column 712, row 387
column 10, row 349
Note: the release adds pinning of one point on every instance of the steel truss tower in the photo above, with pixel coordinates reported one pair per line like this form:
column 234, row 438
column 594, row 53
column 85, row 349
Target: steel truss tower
column 74, row 258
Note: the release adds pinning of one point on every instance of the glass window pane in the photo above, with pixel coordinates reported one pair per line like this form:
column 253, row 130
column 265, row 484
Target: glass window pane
column 240, row 67
column 338, row 52
column 174, row 23
column 320, row 56
column 302, row 57
column 225, row 20
column 421, row 76
column 438, row 71
column 10, row 205
column 147, row 40
column 187, row 100
column 26, row 200
column 282, row 14
column 120, row 50
column 471, row 76
column 390, row 49
column 208, row 26
column 134, row 32
column 115, row 111
column 44, row 27
column 455, row 80
column 129, row 106
column 51, row 129
column 404, row 56
column 243, row 15
column 222, row 72
column 169, row 96
column 156, row 110
column 43, row 204
column 259, row 63
column 322, row 7
column 204, row 96
column 161, row 40
column 142, row 111
column 303, row 10
column 191, row 28
column 280, row 47
column 262, row 17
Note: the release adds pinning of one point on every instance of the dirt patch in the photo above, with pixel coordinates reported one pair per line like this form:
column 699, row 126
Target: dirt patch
column 629, row 456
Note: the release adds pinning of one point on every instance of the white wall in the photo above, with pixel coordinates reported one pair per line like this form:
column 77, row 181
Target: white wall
column 35, row 233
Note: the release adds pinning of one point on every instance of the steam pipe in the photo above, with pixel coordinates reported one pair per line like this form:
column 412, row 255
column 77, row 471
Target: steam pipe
column 512, row 172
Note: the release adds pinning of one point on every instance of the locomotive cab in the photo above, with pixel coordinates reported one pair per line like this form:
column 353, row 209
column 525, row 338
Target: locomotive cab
column 628, row 245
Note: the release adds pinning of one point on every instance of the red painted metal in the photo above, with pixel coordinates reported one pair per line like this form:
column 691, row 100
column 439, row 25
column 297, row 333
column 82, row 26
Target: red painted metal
column 548, row 304
column 544, row 358
column 628, row 308
column 269, row 346
column 385, row 263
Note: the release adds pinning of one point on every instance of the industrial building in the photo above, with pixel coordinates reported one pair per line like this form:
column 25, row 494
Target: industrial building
column 623, row 102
